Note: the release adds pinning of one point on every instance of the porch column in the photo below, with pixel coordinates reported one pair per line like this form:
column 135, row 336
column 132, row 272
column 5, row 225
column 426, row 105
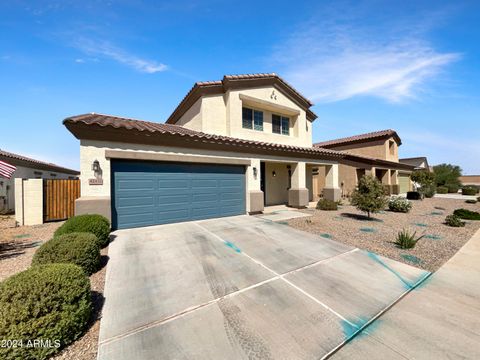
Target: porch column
column 394, row 182
column 254, row 193
column 298, row 193
column 331, row 190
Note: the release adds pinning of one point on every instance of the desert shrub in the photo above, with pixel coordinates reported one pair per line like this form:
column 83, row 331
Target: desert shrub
column 369, row 196
column 46, row 302
column 442, row 190
column 399, row 204
column 452, row 188
column 429, row 191
column 478, row 198
column 471, row 201
column 467, row 214
column 454, row 221
column 324, row 204
column 91, row 223
column 414, row 195
column 426, row 180
column 81, row 249
column 407, row 240
column 469, row 190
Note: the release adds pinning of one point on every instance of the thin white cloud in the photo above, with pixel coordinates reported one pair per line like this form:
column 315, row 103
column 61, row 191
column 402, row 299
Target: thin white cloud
column 331, row 62
column 107, row 50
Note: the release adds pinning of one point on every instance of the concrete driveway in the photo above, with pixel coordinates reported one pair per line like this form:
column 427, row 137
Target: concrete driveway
column 240, row 288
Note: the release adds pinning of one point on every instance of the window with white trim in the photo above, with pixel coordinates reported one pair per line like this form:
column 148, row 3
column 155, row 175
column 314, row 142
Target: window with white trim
column 252, row 119
column 280, row 124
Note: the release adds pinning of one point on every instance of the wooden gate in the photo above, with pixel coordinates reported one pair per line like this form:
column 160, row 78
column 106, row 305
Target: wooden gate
column 59, row 198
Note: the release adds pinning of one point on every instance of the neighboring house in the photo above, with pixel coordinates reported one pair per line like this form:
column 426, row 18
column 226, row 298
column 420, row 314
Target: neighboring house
column 381, row 147
column 420, row 163
column 27, row 168
column 470, row 180
column 230, row 147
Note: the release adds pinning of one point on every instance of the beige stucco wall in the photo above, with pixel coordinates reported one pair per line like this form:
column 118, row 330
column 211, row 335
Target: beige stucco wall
column 7, row 186
column 30, row 202
column 378, row 149
column 222, row 115
column 91, row 150
column 192, row 119
column 276, row 187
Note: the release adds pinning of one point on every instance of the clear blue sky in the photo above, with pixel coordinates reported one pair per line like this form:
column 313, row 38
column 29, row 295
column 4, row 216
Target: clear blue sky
column 412, row 66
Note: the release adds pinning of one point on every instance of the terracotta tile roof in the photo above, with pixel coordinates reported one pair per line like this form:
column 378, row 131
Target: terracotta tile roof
column 359, row 138
column 232, row 81
column 48, row 166
column 116, row 122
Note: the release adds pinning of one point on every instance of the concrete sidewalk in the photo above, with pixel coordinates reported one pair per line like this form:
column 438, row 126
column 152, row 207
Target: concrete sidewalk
column 438, row 320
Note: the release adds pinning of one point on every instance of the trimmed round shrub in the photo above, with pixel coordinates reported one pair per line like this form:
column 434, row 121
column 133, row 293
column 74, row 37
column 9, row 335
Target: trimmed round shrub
column 399, row 204
column 469, row 190
column 91, row 223
column 81, row 249
column 467, row 214
column 325, row 204
column 471, row 201
column 454, row 221
column 442, row 190
column 414, row 195
column 452, row 188
column 48, row 303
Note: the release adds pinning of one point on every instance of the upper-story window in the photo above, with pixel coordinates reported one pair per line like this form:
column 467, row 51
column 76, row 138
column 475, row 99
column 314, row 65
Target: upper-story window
column 280, row 125
column 252, row 119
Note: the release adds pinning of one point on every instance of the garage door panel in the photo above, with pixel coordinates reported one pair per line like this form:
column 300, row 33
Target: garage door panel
column 146, row 193
column 207, row 196
column 136, row 184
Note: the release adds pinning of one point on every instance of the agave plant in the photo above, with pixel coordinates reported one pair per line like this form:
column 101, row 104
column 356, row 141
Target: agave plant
column 407, row 240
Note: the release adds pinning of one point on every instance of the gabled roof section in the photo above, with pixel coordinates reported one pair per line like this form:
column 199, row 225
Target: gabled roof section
column 20, row 160
column 240, row 82
column 109, row 127
column 382, row 134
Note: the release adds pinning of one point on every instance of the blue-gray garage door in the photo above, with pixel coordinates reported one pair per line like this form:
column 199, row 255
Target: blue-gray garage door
column 152, row 193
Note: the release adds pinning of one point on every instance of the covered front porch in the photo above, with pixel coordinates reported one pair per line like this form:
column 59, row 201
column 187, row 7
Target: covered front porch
column 277, row 182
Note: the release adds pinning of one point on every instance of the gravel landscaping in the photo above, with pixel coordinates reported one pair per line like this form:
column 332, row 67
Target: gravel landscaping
column 441, row 242
column 17, row 246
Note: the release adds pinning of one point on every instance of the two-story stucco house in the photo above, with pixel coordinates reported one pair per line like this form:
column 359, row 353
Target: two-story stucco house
column 382, row 148
column 230, row 147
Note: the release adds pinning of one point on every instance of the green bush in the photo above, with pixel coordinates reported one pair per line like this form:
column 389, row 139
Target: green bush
column 414, row 195
column 91, row 223
column 369, row 196
column 399, row 204
column 429, row 191
column 478, row 198
column 324, row 204
column 81, row 249
column 452, row 188
column 467, row 214
column 471, row 201
column 469, row 190
column 442, row 190
column 46, row 302
column 407, row 240
column 454, row 221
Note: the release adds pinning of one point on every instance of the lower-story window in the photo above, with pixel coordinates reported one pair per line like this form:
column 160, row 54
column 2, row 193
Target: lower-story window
column 280, row 125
